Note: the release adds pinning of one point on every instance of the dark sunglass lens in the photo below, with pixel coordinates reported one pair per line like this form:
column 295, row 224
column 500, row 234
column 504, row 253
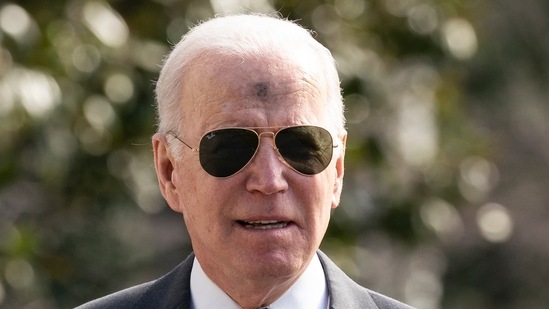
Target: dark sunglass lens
column 308, row 149
column 226, row 151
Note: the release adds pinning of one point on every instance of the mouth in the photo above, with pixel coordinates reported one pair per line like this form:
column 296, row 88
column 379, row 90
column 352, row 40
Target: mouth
column 264, row 224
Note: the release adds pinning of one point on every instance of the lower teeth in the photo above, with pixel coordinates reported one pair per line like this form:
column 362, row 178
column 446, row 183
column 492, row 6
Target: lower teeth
column 267, row 226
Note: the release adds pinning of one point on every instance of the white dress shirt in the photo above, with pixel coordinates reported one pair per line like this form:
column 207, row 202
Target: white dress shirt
column 308, row 292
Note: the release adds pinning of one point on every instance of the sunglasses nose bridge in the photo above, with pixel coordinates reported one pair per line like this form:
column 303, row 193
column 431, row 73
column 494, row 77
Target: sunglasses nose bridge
column 274, row 147
column 272, row 134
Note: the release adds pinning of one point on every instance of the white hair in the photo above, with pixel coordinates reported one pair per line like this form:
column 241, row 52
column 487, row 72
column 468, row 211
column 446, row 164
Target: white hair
column 242, row 35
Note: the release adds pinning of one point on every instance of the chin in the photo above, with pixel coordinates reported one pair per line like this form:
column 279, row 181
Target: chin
column 280, row 263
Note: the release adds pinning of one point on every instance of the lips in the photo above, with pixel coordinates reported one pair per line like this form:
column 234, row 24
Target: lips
column 264, row 224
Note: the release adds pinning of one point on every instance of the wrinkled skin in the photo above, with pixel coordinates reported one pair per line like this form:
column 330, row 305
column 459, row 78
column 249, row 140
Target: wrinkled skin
column 253, row 266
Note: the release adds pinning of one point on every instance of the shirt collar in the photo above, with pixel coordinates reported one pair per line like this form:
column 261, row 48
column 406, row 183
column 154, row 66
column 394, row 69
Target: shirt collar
column 309, row 291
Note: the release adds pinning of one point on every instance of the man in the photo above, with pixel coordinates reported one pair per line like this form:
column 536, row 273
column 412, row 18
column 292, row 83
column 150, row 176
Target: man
column 250, row 150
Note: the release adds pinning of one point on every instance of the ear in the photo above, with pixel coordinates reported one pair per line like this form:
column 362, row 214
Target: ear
column 164, row 164
column 339, row 166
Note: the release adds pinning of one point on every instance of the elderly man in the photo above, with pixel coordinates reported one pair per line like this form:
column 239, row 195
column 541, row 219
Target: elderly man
column 250, row 150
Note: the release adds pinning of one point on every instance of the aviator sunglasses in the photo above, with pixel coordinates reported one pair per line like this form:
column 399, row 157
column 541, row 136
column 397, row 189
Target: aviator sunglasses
column 224, row 152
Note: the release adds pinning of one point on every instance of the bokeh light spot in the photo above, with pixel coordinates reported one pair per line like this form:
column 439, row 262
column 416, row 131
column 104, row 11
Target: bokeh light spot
column 99, row 113
column 149, row 55
column 2, row 293
column 423, row 19
column 495, row 222
column 86, row 58
column 119, row 88
column 477, row 177
column 460, row 38
column 15, row 21
column 19, row 274
column 442, row 218
column 239, row 6
column 38, row 92
column 350, row 9
column 107, row 25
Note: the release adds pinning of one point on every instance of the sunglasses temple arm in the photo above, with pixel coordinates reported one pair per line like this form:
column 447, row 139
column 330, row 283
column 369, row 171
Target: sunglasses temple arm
column 181, row 141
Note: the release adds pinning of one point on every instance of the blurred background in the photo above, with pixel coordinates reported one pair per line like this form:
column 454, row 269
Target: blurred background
column 447, row 173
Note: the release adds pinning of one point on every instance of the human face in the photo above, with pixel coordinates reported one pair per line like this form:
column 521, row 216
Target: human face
column 223, row 215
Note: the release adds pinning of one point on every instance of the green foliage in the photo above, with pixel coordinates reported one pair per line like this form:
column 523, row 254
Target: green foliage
column 437, row 107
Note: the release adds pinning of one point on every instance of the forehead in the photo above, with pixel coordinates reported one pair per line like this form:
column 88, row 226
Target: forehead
column 232, row 88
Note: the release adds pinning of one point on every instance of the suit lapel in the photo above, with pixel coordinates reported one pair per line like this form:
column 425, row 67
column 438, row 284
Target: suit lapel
column 344, row 292
column 173, row 290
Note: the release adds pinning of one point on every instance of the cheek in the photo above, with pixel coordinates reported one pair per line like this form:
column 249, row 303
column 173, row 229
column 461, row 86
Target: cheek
column 189, row 197
column 202, row 204
column 319, row 195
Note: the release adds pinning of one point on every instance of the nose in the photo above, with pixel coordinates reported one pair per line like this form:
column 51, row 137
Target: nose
column 266, row 170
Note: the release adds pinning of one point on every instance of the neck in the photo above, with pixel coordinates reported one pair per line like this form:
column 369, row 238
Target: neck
column 252, row 291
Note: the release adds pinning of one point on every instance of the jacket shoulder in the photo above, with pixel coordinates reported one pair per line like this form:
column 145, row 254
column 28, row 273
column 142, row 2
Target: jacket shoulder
column 346, row 293
column 170, row 291
column 124, row 299
column 383, row 301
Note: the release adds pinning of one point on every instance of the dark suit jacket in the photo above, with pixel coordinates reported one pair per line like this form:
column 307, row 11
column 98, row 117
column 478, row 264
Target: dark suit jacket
column 173, row 291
